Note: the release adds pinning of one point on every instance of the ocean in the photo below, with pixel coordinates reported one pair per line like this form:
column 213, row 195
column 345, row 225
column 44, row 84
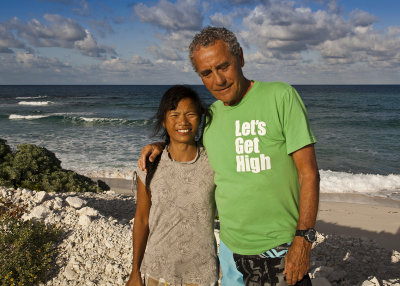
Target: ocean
column 100, row 130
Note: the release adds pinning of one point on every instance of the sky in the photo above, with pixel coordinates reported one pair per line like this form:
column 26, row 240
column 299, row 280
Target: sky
column 146, row 42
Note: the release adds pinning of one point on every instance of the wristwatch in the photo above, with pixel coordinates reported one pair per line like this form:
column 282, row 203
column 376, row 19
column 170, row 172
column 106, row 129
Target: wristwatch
column 309, row 234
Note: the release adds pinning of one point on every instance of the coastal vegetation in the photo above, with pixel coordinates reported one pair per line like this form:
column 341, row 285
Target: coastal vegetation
column 37, row 168
column 27, row 248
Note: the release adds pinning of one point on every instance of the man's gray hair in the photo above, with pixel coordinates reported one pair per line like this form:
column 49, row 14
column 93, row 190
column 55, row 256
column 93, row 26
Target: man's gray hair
column 208, row 36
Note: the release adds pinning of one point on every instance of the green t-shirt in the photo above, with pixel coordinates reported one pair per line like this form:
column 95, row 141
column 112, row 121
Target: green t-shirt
column 249, row 147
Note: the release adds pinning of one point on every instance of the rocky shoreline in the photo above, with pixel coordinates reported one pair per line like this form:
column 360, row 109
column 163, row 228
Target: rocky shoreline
column 96, row 248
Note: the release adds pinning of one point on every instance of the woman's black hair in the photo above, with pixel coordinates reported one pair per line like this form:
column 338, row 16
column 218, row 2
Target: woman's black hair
column 170, row 101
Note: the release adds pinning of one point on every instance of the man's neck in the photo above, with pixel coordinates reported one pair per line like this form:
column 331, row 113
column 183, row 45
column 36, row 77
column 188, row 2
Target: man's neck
column 247, row 85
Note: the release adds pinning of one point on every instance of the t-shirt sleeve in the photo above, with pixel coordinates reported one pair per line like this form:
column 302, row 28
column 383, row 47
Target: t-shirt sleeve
column 141, row 175
column 296, row 126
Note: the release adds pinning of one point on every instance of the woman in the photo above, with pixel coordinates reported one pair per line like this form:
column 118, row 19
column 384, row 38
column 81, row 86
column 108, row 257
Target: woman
column 173, row 234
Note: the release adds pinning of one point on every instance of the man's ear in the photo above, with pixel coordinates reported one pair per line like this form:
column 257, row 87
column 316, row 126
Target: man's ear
column 163, row 124
column 241, row 58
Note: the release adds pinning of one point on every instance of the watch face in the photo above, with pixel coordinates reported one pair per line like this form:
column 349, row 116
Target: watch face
column 310, row 235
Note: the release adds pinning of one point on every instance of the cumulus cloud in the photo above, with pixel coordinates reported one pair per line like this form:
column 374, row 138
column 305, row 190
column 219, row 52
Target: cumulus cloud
column 89, row 47
column 165, row 53
column 33, row 61
column 284, row 31
column 60, row 32
column 8, row 40
column 366, row 46
column 114, row 65
column 184, row 14
column 221, row 20
column 138, row 60
column 362, row 18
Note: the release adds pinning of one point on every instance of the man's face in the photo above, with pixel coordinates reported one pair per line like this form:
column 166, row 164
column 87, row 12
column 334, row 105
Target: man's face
column 221, row 72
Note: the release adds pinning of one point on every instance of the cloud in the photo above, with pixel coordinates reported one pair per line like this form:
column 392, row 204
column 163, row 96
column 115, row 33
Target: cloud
column 60, row 32
column 220, row 20
column 165, row 53
column 365, row 45
column 285, row 32
column 114, row 65
column 361, row 18
column 28, row 60
column 89, row 47
column 8, row 40
column 102, row 27
column 286, row 29
column 138, row 60
column 184, row 14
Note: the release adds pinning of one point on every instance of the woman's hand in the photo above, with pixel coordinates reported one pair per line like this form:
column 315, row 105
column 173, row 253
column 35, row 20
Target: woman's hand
column 135, row 279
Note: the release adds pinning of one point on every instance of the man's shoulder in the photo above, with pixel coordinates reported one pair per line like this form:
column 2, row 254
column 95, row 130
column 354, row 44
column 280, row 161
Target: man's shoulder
column 274, row 85
column 272, row 91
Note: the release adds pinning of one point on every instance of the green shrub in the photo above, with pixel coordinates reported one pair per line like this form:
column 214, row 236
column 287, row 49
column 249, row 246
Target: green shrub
column 27, row 248
column 37, row 168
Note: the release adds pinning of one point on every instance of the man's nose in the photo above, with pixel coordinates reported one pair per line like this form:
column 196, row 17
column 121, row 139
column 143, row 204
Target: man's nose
column 220, row 78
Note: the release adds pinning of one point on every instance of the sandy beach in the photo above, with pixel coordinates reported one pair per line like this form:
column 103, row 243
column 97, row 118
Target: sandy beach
column 342, row 214
column 356, row 244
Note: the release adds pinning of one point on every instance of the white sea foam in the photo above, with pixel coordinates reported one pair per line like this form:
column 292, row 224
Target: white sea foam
column 112, row 174
column 31, row 97
column 341, row 182
column 99, row 119
column 25, row 117
column 35, row 103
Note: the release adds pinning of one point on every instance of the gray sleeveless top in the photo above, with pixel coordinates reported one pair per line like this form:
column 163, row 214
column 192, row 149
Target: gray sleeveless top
column 181, row 245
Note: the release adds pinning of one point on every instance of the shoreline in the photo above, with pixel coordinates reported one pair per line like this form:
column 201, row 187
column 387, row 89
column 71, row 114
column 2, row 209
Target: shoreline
column 352, row 215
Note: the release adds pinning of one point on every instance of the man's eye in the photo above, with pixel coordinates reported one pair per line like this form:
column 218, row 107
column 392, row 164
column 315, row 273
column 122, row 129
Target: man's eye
column 205, row 74
column 224, row 67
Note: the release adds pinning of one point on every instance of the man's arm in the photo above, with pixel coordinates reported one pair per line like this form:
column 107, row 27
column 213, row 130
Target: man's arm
column 151, row 151
column 297, row 261
column 140, row 233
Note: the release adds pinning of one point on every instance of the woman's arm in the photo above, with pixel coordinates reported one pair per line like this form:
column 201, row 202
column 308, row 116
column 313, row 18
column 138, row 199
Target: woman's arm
column 140, row 232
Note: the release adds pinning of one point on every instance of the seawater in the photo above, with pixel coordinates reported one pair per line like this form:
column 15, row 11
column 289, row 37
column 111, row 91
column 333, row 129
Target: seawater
column 99, row 130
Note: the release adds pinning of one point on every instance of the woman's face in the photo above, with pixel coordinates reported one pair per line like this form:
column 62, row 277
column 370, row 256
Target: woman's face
column 182, row 123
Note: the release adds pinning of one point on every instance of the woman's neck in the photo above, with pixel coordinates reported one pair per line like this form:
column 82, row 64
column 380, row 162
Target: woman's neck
column 182, row 152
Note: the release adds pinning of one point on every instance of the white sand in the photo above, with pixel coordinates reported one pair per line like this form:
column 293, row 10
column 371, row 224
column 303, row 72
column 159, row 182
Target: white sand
column 344, row 214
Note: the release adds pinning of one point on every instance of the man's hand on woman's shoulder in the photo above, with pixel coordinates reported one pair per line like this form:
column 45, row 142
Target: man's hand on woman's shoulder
column 150, row 151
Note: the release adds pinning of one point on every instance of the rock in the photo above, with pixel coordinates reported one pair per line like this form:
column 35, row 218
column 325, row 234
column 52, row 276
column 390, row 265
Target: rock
column 322, row 271
column 321, row 281
column 75, row 202
column 88, row 211
column 372, row 281
column 84, row 220
column 69, row 273
column 57, row 203
column 40, row 197
column 39, row 212
column 395, row 258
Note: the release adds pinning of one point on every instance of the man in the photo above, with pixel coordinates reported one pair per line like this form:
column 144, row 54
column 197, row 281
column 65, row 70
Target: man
column 260, row 145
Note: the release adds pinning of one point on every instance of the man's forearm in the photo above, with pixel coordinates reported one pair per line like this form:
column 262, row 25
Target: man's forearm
column 308, row 201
